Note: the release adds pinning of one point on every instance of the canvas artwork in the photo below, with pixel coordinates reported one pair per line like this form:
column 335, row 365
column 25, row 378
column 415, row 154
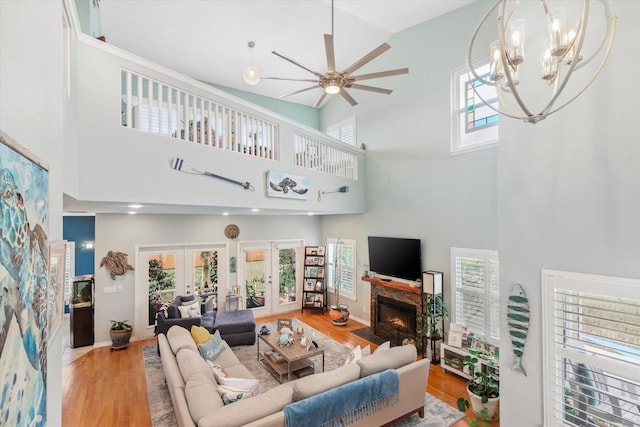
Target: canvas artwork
column 286, row 185
column 24, row 259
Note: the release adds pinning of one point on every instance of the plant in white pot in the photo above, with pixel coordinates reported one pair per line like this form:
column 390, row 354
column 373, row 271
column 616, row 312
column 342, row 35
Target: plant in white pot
column 339, row 312
column 483, row 388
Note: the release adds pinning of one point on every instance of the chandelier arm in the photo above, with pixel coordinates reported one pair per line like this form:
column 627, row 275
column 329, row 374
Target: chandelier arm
column 507, row 69
column 610, row 23
column 604, row 61
column 500, row 101
column 473, row 39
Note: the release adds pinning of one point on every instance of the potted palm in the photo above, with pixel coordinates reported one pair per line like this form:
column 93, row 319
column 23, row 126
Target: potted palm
column 120, row 333
column 483, row 388
column 339, row 312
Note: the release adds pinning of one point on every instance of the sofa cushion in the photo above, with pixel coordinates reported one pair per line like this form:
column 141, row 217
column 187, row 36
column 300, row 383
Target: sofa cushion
column 218, row 371
column 180, row 338
column 238, row 371
column 248, row 410
column 187, row 299
column 211, row 349
column 233, row 322
column 200, row 335
column 202, row 396
column 318, row 383
column 390, row 359
column 191, row 363
column 227, row 358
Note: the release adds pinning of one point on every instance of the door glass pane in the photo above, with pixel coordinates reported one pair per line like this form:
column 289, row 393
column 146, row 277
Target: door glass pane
column 205, row 271
column 162, row 281
column 255, row 268
column 287, row 275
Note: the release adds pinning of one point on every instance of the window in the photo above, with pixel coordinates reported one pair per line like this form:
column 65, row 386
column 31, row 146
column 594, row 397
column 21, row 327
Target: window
column 346, row 251
column 473, row 124
column 345, row 131
column 591, row 338
column 476, row 289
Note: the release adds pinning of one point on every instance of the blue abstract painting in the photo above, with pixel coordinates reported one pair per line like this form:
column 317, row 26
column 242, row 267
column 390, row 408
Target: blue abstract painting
column 24, row 225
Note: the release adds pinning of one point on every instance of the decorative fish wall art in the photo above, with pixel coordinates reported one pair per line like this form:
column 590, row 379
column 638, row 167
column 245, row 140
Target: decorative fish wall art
column 518, row 320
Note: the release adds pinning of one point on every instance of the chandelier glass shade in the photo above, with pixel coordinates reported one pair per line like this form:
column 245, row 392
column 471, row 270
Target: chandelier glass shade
column 559, row 46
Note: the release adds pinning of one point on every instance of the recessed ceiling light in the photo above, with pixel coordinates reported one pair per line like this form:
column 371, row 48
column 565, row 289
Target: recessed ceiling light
column 135, row 206
column 132, row 212
column 225, row 213
column 255, row 210
column 310, row 213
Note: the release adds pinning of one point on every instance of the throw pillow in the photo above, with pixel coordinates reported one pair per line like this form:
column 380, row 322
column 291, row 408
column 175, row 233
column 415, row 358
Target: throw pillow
column 248, row 385
column 212, row 348
column 191, row 309
column 355, row 355
column 200, row 335
column 229, row 395
column 383, row 347
column 187, row 299
column 173, row 312
column 218, row 371
column 366, row 351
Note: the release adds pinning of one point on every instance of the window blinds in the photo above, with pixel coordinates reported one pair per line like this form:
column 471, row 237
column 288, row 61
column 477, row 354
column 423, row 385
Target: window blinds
column 592, row 358
column 347, row 251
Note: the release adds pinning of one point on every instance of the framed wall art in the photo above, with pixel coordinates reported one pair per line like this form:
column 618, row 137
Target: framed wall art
column 55, row 287
column 286, row 185
column 24, row 272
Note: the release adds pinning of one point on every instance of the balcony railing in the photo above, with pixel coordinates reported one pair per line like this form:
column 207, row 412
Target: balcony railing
column 152, row 106
column 320, row 156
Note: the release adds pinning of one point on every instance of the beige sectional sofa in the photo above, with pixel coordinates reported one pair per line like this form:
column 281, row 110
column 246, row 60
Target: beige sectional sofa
column 196, row 399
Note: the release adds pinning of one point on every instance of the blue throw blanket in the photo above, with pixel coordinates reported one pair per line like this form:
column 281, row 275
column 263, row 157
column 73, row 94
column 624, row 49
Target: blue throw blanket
column 345, row 404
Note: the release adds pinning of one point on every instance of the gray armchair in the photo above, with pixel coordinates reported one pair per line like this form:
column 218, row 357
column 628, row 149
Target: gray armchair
column 172, row 317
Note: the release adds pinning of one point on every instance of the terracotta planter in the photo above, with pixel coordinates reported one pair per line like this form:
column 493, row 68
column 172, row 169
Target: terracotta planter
column 339, row 315
column 477, row 405
column 119, row 338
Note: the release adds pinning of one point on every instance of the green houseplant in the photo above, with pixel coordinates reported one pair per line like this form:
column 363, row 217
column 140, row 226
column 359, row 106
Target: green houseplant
column 120, row 333
column 430, row 323
column 483, row 388
column 339, row 312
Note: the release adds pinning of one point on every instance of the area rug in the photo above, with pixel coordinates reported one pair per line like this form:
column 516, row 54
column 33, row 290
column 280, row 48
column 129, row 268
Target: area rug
column 437, row 413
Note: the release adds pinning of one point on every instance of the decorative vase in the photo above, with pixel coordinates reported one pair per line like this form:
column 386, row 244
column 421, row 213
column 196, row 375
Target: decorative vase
column 119, row 338
column 477, row 405
column 339, row 315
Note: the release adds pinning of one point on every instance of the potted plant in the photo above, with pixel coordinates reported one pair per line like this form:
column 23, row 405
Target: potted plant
column 120, row 333
column 483, row 388
column 431, row 321
column 339, row 313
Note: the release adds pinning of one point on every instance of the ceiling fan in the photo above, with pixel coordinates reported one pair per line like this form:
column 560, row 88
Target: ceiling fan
column 333, row 82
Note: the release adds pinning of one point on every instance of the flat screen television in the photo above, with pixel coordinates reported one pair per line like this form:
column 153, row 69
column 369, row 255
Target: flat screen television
column 395, row 257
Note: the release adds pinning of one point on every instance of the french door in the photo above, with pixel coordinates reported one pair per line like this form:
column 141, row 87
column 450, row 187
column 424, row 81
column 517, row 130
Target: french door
column 163, row 272
column 269, row 276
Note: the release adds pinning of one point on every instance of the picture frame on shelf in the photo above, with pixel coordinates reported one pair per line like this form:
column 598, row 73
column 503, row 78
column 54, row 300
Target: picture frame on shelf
column 318, row 301
column 311, row 251
column 319, row 285
column 320, row 251
column 309, row 284
column 455, row 339
column 285, row 323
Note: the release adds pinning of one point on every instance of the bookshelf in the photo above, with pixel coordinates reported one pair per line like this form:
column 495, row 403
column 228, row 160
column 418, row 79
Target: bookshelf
column 314, row 290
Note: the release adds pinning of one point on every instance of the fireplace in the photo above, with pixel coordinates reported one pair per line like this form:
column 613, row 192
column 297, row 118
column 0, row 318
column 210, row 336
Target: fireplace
column 395, row 320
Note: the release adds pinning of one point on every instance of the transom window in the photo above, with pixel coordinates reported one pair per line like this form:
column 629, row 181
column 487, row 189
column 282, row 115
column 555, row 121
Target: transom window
column 474, row 124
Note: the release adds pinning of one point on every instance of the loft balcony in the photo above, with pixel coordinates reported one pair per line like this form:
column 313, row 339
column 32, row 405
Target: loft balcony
column 134, row 117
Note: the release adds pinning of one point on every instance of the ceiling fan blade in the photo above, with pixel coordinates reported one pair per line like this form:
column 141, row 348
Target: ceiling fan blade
column 369, row 88
column 298, row 64
column 348, row 97
column 367, row 58
column 379, row 74
column 331, row 57
column 292, row 80
column 319, row 101
column 299, row 91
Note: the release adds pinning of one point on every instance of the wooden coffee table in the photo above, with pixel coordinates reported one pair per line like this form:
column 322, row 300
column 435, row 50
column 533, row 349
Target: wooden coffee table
column 294, row 357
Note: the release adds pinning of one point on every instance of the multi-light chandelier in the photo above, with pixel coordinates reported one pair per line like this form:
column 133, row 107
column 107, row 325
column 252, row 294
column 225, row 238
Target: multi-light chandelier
column 562, row 54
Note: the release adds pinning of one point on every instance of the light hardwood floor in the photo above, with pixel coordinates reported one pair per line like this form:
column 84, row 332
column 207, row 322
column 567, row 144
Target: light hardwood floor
column 107, row 388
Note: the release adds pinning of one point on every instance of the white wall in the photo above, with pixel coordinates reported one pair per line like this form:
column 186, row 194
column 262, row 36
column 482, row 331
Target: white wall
column 569, row 200
column 123, row 232
column 31, row 112
column 415, row 188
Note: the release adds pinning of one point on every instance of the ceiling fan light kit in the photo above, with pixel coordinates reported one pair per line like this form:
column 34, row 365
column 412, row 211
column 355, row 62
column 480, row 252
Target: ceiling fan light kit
column 333, row 82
